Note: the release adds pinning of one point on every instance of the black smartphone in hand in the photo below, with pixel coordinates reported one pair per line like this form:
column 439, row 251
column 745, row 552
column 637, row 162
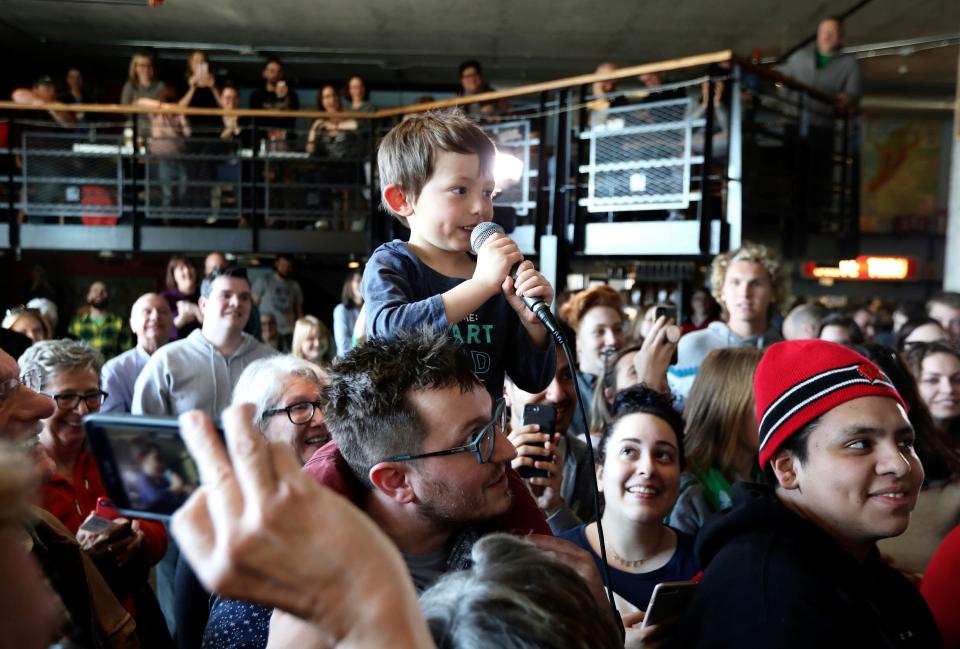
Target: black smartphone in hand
column 544, row 416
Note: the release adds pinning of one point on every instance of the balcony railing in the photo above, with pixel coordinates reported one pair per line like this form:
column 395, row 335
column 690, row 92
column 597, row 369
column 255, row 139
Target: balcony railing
column 671, row 169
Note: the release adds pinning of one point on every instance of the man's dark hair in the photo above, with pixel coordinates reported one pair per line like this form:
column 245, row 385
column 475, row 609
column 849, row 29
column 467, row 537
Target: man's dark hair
column 797, row 445
column 842, row 320
column 367, row 404
column 471, row 63
column 230, row 270
column 272, row 59
column 639, row 399
column 907, row 329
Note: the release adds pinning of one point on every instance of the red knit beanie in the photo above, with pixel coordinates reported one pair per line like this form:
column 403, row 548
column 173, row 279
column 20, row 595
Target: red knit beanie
column 799, row 380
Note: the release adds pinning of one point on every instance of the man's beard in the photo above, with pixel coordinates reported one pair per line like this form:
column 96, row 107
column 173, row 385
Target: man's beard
column 452, row 508
column 100, row 305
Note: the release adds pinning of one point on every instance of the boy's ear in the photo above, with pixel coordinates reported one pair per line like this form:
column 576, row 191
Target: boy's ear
column 397, row 200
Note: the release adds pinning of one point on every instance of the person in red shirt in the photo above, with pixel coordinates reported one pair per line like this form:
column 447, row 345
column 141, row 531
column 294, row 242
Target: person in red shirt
column 70, row 372
column 941, row 589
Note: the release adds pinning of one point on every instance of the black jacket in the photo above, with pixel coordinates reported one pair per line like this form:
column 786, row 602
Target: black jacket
column 774, row 579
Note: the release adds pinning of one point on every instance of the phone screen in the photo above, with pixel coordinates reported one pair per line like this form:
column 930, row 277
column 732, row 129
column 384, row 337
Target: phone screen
column 145, row 465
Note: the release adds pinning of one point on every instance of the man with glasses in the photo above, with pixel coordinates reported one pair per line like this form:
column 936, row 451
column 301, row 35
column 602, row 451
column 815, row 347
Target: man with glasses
column 420, row 446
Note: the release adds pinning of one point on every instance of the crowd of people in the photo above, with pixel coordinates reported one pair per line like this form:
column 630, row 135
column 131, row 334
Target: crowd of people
column 775, row 461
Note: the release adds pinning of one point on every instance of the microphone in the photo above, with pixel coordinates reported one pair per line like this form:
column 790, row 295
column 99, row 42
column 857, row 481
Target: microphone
column 479, row 236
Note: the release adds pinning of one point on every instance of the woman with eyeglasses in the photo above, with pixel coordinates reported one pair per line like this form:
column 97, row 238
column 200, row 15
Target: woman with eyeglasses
column 69, row 374
column 286, row 392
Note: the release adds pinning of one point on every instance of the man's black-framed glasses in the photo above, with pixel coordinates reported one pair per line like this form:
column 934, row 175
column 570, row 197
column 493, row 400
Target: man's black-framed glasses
column 482, row 443
column 70, row 400
column 297, row 413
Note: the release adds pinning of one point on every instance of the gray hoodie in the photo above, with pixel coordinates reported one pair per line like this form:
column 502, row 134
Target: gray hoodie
column 192, row 373
column 695, row 345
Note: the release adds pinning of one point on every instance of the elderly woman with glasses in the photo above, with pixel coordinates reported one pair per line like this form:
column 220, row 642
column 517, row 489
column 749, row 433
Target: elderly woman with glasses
column 68, row 372
column 286, row 393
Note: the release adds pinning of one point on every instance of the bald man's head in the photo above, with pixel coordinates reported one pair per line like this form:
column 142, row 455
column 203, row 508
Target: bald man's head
column 151, row 321
column 803, row 322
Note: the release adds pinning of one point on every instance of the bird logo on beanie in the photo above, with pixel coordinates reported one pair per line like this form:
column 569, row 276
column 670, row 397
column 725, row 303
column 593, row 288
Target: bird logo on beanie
column 870, row 372
column 799, row 380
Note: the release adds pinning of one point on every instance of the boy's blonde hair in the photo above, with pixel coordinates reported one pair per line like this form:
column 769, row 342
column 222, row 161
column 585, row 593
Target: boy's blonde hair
column 407, row 154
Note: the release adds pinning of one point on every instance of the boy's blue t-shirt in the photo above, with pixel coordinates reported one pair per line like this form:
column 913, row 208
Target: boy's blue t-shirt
column 637, row 588
column 401, row 292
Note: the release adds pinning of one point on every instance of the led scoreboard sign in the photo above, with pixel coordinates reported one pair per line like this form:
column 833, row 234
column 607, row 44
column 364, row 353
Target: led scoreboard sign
column 864, row 268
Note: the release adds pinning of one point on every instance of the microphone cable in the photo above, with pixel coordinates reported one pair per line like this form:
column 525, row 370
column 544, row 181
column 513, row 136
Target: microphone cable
column 604, row 565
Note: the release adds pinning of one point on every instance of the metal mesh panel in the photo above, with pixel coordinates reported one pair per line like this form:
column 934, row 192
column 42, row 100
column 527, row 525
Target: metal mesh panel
column 639, row 157
column 66, row 178
column 192, row 179
column 513, row 139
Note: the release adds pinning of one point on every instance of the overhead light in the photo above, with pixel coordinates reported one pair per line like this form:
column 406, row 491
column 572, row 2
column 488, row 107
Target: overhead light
column 507, row 169
column 353, row 265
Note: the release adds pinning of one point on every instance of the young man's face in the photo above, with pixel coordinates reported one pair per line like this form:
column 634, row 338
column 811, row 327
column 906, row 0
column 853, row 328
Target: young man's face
column 455, row 199
column 560, row 394
column 747, row 292
column 599, row 332
column 829, row 34
column 228, row 305
column 948, row 317
column 861, row 477
column 455, row 489
column 470, row 80
column 273, row 72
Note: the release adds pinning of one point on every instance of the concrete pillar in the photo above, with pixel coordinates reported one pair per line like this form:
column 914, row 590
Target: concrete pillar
column 951, row 261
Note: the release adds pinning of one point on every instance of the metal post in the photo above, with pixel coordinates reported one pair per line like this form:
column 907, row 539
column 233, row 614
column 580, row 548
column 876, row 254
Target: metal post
column 735, row 162
column 373, row 240
column 951, row 261
column 254, row 225
column 543, row 166
column 703, row 207
column 561, row 165
column 134, row 212
column 579, row 213
column 12, row 221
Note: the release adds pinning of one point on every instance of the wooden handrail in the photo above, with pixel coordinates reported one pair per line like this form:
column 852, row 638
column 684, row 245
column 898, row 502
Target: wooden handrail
column 773, row 75
column 536, row 88
column 567, row 82
column 723, row 56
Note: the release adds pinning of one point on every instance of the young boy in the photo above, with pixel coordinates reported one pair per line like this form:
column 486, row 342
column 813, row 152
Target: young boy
column 436, row 171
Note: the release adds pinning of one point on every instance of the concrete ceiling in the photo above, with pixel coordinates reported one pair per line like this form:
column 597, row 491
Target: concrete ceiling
column 422, row 41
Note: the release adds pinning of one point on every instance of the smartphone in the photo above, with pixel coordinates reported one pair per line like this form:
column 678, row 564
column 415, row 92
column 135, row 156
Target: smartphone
column 670, row 599
column 665, row 310
column 99, row 525
column 546, row 417
column 146, row 468
column 203, row 69
column 670, row 312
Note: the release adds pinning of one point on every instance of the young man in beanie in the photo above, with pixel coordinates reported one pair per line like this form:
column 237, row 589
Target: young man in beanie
column 796, row 564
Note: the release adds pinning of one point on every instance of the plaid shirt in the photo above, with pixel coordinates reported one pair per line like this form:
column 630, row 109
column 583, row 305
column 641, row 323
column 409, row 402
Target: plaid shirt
column 109, row 335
